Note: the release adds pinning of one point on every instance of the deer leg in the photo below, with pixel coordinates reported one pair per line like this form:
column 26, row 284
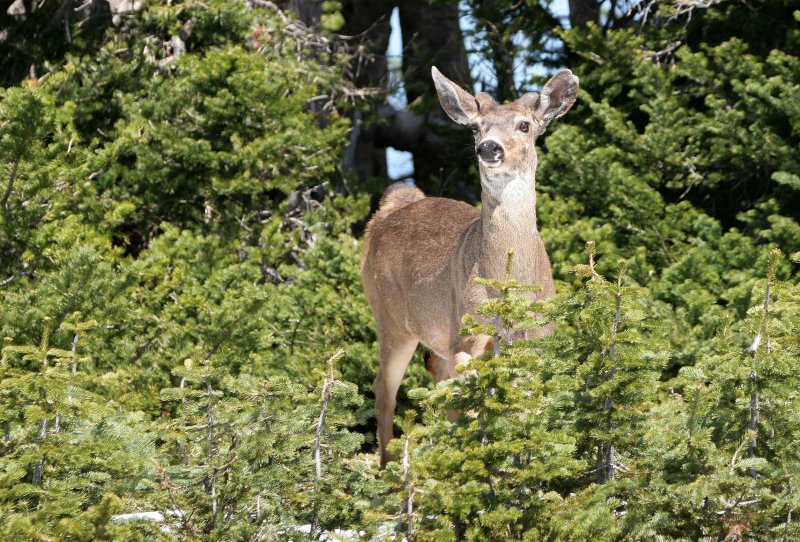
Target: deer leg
column 441, row 369
column 471, row 348
column 396, row 352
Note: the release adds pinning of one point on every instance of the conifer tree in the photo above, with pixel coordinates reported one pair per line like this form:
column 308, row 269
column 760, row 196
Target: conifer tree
column 170, row 190
column 492, row 474
column 617, row 368
column 63, row 446
column 260, row 459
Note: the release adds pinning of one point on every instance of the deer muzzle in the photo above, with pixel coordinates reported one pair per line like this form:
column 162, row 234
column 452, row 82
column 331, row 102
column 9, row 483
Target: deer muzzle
column 490, row 152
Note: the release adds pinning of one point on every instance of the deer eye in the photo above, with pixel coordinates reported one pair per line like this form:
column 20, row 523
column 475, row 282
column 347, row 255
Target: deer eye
column 474, row 128
column 524, row 127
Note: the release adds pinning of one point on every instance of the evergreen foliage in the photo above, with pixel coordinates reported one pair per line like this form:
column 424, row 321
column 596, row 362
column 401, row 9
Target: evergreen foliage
column 167, row 229
column 177, row 262
column 494, row 474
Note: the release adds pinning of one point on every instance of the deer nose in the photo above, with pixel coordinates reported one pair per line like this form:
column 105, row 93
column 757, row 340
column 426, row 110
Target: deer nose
column 490, row 151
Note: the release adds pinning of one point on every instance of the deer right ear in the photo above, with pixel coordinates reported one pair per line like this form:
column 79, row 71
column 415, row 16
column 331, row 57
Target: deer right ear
column 557, row 96
column 459, row 104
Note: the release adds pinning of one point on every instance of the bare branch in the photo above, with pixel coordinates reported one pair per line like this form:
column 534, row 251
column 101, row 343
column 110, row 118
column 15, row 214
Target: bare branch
column 409, row 502
column 606, row 451
column 326, row 397
column 686, row 7
column 9, row 279
column 272, row 6
column 755, row 399
column 406, row 131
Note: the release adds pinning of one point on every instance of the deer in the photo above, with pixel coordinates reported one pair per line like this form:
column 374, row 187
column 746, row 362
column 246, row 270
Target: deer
column 421, row 254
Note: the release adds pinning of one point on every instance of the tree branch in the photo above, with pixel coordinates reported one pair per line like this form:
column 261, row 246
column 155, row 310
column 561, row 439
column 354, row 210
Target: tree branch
column 326, row 397
column 406, row 131
column 408, row 504
column 606, row 468
column 755, row 400
column 10, row 186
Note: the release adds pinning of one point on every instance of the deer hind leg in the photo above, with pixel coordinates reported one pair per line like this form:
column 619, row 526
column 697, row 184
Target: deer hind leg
column 441, row 369
column 445, row 368
column 396, row 352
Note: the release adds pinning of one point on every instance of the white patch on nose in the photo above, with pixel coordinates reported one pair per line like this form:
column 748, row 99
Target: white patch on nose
column 489, row 164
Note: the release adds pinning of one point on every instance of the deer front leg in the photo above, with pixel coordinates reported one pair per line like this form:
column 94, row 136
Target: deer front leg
column 445, row 368
column 396, row 352
column 472, row 347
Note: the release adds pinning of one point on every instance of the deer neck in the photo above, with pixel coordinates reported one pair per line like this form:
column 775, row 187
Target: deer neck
column 508, row 222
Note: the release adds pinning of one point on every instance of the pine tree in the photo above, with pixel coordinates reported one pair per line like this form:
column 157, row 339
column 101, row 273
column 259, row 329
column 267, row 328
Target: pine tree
column 254, row 459
column 492, row 474
column 63, row 446
column 617, row 368
column 609, row 356
column 172, row 195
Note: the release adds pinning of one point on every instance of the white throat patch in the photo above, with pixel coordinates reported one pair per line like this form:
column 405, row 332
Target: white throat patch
column 510, row 189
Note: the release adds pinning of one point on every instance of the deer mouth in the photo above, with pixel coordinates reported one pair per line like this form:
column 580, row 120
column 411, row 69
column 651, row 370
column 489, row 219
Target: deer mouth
column 490, row 162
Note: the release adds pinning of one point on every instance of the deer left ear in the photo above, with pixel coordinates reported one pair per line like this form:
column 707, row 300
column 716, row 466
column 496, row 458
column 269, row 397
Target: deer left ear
column 557, row 96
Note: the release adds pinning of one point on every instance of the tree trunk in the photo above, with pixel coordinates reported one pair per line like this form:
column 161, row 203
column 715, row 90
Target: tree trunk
column 367, row 24
column 581, row 12
column 432, row 37
column 308, row 11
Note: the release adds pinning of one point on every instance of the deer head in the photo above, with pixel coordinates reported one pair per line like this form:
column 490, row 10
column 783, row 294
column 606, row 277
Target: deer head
column 505, row 134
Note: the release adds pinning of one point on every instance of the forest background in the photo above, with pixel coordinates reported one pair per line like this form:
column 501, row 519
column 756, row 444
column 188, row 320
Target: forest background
column 183, row 186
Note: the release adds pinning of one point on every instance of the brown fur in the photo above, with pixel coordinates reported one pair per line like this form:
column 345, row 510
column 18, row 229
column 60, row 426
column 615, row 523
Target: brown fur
column 395, row 196
column 421, row 255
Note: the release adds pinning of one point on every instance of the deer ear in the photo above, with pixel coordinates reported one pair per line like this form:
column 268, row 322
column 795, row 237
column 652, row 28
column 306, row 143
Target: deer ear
column 459, row 104
column 529, row 100
column 557, row 96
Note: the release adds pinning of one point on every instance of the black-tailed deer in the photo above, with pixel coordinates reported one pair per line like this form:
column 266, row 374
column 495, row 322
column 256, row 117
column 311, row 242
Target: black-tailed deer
column 421, row 255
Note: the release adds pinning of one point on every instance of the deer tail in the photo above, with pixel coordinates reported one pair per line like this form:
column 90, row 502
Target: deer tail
column 396, row 196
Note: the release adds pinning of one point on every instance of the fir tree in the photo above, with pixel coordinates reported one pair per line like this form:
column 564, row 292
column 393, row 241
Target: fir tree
column 64, row 447
column 492, row 474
